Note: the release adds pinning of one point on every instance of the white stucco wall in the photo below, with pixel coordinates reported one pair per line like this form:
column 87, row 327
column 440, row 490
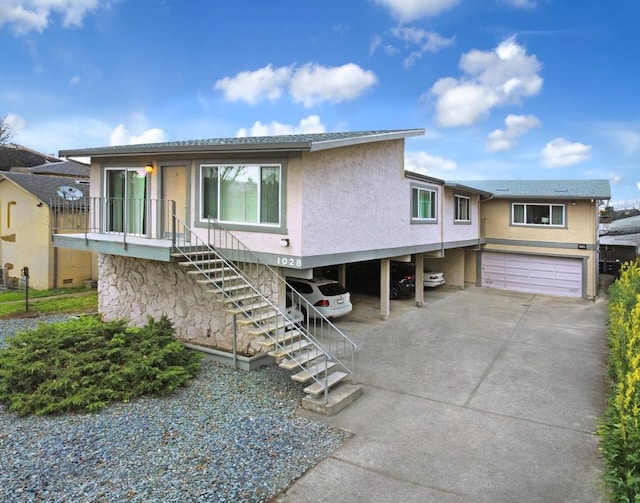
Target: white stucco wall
column 357, row 198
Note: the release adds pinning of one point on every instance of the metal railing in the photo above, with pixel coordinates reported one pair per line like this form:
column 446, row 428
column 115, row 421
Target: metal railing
column 252, row 278
column 117, row 216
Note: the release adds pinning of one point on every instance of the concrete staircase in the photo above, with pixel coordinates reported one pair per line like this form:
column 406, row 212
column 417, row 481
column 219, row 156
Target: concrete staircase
column 315, row 351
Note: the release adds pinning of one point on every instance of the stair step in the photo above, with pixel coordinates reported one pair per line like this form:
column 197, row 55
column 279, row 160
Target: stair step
column 287, row 350
column 300, row 359
column 262, row 318
column 247, row 308
column 211, row 261
column 241, row 298
column 227, row 288
column 286, row 337
column 215, row 270
column 318, row 388
column 312, row 371
column 224, row 279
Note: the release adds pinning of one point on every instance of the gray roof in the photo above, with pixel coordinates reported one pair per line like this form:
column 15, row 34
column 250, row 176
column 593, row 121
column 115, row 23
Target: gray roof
column 17, row 156
column 283, row 143
column 625, row 225
column 41, row 186
column 63, row 168
column 543, row 189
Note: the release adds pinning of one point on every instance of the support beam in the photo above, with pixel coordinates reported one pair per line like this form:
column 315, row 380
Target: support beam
column 419, row 261
column 385, row 288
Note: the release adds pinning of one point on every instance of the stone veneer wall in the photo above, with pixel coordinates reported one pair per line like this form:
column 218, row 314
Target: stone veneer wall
column 134, row 289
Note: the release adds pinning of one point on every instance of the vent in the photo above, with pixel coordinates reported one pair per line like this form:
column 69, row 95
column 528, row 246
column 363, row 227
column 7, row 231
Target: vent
column 67, row 281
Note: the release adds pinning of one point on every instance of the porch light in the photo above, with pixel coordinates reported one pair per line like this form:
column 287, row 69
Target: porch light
column 148, row 168
column 284, row 242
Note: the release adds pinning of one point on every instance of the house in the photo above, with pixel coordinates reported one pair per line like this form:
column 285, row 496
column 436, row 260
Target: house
column 17, row 156
column 541, row 236
column 25, row 232
column 207, row 231
column 619, row 243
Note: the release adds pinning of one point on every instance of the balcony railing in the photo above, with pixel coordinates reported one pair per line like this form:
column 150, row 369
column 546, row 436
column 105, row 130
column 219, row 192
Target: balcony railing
column 123, row 217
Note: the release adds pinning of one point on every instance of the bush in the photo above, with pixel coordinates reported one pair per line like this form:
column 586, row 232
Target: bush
column 82, row 365
column 620, row 431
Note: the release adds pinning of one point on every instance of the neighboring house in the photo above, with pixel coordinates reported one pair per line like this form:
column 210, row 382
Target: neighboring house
column 25, row 233
column 619, row 243
column 541, row 236
column 72, row 169
column 17, row 156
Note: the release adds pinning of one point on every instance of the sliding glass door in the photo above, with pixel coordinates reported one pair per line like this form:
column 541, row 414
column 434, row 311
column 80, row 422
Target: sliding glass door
column 126, row 200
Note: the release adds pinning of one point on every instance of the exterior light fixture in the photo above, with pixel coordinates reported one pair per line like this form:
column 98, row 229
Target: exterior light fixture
column 148, row 168
column 284, row 242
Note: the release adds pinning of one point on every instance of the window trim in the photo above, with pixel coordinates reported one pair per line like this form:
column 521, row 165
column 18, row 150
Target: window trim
column 278, row 228
column 548, row 225
column 457, row 220
column 424, row 188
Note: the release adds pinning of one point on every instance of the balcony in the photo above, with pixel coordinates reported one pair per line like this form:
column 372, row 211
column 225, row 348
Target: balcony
column 140, row 228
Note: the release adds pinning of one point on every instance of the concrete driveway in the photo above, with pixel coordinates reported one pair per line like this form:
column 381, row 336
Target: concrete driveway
column 480, row 395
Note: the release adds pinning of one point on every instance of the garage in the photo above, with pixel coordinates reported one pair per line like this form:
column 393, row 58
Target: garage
column 549, row 275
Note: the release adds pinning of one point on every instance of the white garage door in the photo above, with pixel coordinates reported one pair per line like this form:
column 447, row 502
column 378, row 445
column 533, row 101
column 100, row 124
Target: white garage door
column 532, row 273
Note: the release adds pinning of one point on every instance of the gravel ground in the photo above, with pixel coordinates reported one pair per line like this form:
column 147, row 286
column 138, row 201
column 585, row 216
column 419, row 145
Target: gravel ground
column 230, row 435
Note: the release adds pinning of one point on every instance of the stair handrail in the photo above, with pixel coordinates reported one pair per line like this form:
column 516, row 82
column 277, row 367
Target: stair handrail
column 230, row 262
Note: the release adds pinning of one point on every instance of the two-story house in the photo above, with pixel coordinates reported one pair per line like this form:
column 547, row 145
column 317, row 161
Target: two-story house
column 541, row 236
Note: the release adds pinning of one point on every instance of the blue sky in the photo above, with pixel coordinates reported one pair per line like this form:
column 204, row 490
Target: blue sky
column 506, row 89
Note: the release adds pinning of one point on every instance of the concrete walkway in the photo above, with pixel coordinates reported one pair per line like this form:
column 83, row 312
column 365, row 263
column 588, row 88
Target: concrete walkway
column 479, row 396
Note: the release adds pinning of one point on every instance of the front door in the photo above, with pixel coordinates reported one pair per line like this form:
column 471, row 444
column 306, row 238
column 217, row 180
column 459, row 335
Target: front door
column 174, row 188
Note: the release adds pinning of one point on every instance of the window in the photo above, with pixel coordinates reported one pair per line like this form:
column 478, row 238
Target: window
column 463, row 205
column 538, row 214
column 423, row 204
column 246, row 194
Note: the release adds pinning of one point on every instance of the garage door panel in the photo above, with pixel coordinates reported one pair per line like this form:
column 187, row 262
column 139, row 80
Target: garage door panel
column 532, row 273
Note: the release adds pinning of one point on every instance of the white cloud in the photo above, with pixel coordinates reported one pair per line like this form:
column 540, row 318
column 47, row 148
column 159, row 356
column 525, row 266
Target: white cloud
column 425, row 40
column 614, row 178
column 561, row 153
column 409, row 10
column 253, row 87
column 431, row 165
column 15, row 122
column 310, row 124
column 517, row 125
column 121, row 136
column 74, row 80
column 638, row 185
column 28, row 15
column 309, row 84
column 499, row 77
column 312, row 84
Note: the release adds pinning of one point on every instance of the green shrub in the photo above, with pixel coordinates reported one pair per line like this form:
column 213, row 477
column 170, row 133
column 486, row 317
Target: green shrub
column 620, row 430
column 82, row 365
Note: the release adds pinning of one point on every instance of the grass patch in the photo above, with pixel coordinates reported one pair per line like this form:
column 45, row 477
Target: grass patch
column 86, row 303
column 18, row 295
column 84, row 364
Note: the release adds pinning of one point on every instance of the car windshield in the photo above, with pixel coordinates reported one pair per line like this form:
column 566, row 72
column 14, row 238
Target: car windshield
column 331, row 289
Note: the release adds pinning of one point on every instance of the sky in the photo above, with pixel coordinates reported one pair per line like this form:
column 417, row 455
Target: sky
column 505, row 89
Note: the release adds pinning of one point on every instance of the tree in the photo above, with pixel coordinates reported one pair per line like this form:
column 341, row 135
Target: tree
column 6, row 130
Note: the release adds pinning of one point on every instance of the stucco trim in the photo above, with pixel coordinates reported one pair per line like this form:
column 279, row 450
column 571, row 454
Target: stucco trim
column 542, row 244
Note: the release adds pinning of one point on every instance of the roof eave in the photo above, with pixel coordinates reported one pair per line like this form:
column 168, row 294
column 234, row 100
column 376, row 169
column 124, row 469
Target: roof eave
column 466, row 188
column 358, row 140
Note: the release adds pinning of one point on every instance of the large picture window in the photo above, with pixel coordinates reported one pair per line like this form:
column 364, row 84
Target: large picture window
column 538, row 214
column 462, row 212
column 246, row 194
column 423, row 204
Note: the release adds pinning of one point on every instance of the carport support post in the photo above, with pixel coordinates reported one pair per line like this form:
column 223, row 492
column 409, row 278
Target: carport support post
column 419, row 279
column 385, row 288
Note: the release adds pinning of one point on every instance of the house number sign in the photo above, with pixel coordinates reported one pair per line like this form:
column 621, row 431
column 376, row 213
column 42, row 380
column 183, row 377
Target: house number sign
column 289, row 262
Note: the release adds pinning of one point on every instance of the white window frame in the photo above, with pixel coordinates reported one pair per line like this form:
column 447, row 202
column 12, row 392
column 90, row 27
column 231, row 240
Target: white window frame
column 542, row 223
column 415, row 191
column 467, row 200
